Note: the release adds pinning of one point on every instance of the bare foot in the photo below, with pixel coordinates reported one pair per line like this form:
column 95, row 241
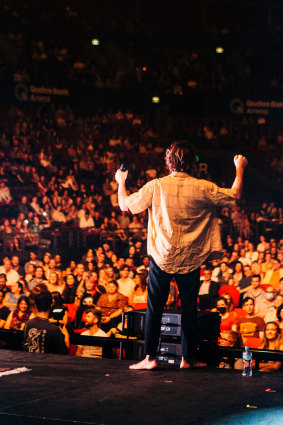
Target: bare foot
column 145, row 364
column 193, row 363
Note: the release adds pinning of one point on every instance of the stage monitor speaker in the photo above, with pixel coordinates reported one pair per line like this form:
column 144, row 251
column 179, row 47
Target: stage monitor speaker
column 208, row 324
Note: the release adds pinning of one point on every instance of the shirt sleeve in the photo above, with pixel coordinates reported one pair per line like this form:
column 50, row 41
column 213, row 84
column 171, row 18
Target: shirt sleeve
column 141, row 200
column 220, row 196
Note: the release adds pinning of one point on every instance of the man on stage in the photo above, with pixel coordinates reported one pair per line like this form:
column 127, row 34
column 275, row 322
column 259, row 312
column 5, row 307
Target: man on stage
column 183, row 231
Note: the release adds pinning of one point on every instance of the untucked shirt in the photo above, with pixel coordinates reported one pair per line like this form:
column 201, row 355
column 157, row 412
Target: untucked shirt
column 183, row 227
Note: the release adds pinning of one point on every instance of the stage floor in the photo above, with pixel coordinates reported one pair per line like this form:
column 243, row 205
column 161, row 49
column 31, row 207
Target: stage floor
column 65, row 390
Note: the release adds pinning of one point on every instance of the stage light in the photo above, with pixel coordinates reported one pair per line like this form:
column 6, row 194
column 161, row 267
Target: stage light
column 155, row 99
column 144, row 68
column 95, row 42
column 219, row 50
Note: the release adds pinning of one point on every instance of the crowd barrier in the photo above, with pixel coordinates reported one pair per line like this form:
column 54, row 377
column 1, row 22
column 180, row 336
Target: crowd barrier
column 13, row 340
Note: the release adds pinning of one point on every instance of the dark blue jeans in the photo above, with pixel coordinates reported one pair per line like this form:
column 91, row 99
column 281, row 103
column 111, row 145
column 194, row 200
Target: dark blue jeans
column 158, row 291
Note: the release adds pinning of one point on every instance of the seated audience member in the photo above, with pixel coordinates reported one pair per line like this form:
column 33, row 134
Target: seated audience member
column 53, row 283
column 92, row 321
column 112, row 305
column 30, row 273
column 16, row 266
column 224, row 274
column 58, row 313
column 110, row 273
column 271, row 316
column 250, row 325
column 79, row 272
column 3, row 284
column 272, row 340
column 273, row 276
column 41, row 336
column 135, row 257
column 257, row 294
column 33, row 260
column 145, row 264
column 238, row 273
column 19, row 317
column 227, row 338
column 89, row 257
column 230, row 304
column 208, row 291
column 256, row 268
column 4, row 311
column 126, row 285
column 38, row 278
column 70, row 288
column 251, row 254
column 243, row 258
column 227, row 319
column 267, row 264
column 11, row 298
column 86, row 221
column 103, row 278
column 86, row 297
column 139, row 294
column 11, row 275
column 244, row 284
column 135, row 226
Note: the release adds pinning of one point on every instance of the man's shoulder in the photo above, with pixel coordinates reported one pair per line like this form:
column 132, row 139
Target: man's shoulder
column 42, row 324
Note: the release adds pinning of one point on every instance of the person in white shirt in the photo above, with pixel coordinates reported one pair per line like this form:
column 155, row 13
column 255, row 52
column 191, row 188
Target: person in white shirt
column 208, row 291
column 243, row 258
column 11, row 275
column 271, row 316
column 5, row 194
column 262, row 245
column 92, row 322
column 86, row 221
column 251, row 254
column 58, row 215
column 125, row 284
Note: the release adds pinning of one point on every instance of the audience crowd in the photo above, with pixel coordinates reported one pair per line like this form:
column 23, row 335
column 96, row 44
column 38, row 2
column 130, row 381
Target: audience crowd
column 57, row 170
column 245, row 286
column 131, row 53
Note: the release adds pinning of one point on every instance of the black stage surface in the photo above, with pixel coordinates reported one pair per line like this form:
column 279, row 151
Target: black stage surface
column 65, row 390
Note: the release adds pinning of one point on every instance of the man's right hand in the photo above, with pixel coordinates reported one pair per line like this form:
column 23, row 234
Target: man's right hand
column 121, row 176
column 240, row 161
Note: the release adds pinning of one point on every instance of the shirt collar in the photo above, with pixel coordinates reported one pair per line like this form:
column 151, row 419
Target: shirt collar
column 179, row 174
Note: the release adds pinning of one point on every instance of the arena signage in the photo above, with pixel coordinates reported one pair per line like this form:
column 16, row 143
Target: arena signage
column 255, row 107
column 31, row 93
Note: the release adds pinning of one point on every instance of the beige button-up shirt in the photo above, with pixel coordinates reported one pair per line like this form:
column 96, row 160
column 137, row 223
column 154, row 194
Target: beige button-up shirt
column 183, row 228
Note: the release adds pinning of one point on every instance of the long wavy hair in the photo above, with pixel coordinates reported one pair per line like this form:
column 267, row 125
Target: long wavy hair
column 278, row 341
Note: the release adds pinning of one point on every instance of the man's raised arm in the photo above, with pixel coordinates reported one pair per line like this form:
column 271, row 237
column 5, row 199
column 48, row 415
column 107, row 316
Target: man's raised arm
column 121, row 177
column 240, row 164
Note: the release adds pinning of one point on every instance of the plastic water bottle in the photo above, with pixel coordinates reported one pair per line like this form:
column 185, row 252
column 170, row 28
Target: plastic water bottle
column 247, row 362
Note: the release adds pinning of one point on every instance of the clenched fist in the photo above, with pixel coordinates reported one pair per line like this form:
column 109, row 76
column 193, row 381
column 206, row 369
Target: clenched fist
column 240, row 161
